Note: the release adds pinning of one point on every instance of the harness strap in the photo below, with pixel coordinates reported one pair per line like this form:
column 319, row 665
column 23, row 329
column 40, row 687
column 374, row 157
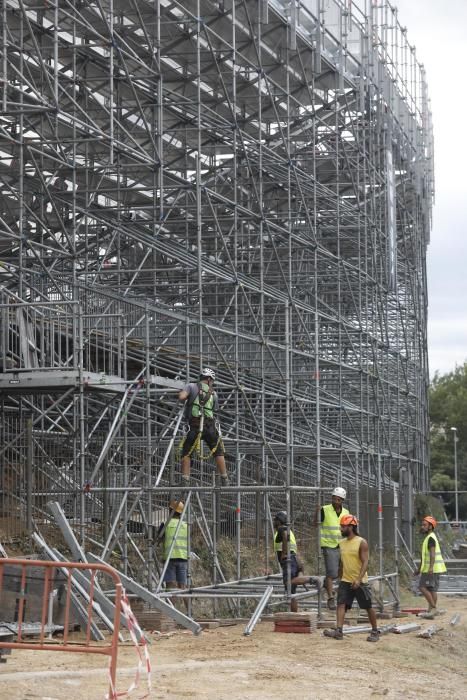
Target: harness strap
column 203, row 396
column 197, row 443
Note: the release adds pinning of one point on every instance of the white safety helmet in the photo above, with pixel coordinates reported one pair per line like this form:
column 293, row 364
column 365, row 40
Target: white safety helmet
column 208, row 372
column 340, row 492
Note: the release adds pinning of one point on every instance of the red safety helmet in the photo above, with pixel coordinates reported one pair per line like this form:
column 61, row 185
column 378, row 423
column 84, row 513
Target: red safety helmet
column 431, row 520
column 348, row 520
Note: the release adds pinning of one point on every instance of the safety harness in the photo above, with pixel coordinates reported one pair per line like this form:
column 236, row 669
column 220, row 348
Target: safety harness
column 203, row 398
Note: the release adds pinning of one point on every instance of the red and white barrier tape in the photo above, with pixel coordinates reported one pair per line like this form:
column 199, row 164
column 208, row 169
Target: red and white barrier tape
column 141, row 646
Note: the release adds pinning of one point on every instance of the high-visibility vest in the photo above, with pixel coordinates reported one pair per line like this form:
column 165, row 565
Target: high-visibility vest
column 292, row 540
column 439, row 566
column 206, row 404
column 330, row 530
column 180, row 548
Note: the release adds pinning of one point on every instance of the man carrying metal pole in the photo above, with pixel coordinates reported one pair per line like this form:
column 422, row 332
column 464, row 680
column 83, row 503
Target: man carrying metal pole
column 431, row 566
column 329, row 516
column 175, row 534
column 201, row 407
column 285, row 546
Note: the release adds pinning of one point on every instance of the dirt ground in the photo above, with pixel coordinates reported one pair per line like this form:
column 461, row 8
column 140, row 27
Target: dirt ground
column 222, row 664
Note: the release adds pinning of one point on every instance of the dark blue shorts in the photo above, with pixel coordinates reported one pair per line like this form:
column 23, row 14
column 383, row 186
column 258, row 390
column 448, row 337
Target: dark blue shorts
column 293, row 572
column 176, row 572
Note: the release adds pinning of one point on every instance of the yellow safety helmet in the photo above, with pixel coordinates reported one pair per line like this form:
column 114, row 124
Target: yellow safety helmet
column 177, row 506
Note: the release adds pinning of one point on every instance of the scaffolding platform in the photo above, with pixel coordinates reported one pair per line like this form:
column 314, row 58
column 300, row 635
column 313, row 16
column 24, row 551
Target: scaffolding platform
column 50, row 381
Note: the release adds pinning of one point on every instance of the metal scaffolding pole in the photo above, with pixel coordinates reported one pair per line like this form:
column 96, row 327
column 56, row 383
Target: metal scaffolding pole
column 249, row 190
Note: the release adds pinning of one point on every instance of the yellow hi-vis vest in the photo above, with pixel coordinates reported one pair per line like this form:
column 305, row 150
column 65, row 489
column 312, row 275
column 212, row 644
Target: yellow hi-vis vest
column 439, row 566
column 206, row 404
column 180, row 548
column 292, row 540
column 330, row 530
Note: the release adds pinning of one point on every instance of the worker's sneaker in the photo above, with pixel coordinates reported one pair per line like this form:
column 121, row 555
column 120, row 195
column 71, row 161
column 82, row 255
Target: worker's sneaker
column 225, row 481
column 373, row 636
column 334, row 634
column 331, row 603
column 429, row 615
column 317, row 581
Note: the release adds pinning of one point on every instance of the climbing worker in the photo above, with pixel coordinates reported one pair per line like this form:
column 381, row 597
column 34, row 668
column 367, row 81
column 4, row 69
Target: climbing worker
column 431, row 566
column 201, row 406
column 330, row 516
column 353, row 576
column 175, row 536
column 284, row 539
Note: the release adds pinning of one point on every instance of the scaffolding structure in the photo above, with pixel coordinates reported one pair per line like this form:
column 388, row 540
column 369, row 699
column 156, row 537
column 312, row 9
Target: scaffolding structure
column 244, row 184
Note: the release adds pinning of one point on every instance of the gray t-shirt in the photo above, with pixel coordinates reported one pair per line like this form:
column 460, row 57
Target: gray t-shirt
column 192, row 390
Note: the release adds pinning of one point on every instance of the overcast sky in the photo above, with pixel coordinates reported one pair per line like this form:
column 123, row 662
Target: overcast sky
column 439, row 31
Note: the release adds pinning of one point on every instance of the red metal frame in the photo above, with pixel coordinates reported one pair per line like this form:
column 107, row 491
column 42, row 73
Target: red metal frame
column 110, row 649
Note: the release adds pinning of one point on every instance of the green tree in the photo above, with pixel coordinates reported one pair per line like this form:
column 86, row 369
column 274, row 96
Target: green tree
column 448, row 408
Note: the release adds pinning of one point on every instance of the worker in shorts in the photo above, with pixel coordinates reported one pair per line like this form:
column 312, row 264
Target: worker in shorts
column 431, row 567
column 328, row 518
column 353, row 578
column 285, row 546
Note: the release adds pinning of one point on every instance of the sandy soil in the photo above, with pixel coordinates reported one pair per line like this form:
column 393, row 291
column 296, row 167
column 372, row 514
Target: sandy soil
column 222, row 664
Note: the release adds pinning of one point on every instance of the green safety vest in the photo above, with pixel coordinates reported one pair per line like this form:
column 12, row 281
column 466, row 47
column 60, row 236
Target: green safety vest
column 439, row 566
column 180, row 548
column 330, row 530
column 206, row 404
column 292, row 540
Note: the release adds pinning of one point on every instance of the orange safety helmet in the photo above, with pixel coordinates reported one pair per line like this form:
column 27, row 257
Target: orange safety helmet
column 348, row 520
column 431, row 520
